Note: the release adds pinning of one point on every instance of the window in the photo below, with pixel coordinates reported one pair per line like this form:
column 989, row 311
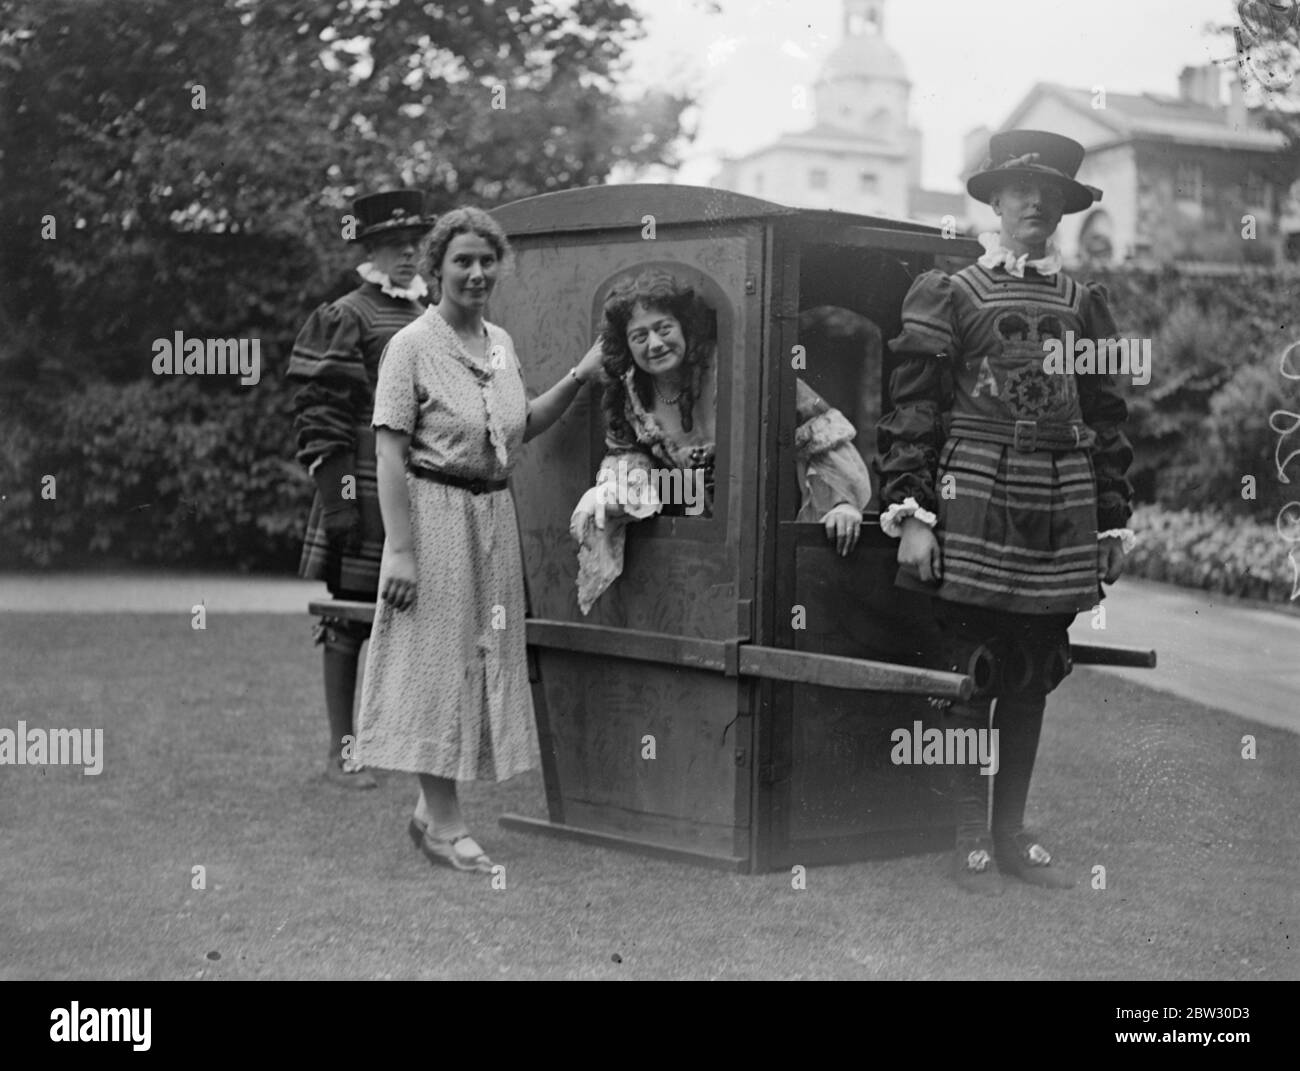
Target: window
column 1253, row 192
column 1187, row 183
column 843, row 358
column 758, row 182
column 818, row 178
column 1097, row 239
column 672, row 350
column 869, row 182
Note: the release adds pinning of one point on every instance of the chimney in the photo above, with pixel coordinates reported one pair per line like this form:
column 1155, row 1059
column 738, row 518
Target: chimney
column 975, row 147
column 1201, row 85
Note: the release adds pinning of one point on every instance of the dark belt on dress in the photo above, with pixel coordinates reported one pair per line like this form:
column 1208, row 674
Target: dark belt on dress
column 474, row 486
column 1025, row 436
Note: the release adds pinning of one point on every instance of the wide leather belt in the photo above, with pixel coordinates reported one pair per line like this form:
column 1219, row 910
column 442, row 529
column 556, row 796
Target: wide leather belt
column 474, row 487
column 1025, row 436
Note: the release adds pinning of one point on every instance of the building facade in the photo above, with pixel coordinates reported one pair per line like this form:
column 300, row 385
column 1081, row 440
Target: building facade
column 1186, row 179
column 861, row 154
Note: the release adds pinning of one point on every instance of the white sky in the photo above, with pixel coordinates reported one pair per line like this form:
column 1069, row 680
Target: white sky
column 970, row 61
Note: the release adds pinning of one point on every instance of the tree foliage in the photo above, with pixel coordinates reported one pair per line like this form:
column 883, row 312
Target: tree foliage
column 226, row 219
column 1267, row 39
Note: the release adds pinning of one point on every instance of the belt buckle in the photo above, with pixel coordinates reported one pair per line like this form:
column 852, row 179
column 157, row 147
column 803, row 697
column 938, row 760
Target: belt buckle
column 476, row 486
column 1032, row 426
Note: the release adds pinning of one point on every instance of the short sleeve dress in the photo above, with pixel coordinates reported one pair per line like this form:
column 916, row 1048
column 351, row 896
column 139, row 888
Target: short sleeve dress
column 446, row 687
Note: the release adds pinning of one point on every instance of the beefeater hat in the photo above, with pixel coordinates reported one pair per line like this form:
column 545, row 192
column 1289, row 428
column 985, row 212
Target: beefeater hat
column 390, row 212
column 1036, row 154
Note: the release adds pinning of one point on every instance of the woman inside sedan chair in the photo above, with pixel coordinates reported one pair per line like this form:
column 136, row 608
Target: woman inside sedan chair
column 660, row 403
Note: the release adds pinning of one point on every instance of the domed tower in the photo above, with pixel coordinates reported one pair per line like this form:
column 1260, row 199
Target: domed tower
column 863, row 87
column 860, row 154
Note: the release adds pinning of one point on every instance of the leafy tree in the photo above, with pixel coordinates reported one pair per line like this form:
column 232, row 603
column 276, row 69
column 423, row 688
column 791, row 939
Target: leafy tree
column 1267, row 39
column 196, row 159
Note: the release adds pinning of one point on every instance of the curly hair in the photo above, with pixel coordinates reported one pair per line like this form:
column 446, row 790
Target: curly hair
column 658, row 291
column 463, row 220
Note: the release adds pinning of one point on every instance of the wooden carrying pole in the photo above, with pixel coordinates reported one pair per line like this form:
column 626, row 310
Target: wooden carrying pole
column 734, row 658
column 737, row 658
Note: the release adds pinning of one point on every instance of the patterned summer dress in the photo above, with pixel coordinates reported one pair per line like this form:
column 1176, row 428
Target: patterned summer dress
column 446, row 687
column 336, row 360
column 1017, row 527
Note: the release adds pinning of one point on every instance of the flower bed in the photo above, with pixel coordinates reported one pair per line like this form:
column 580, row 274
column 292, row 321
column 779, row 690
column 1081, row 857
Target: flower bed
column 1234, row 556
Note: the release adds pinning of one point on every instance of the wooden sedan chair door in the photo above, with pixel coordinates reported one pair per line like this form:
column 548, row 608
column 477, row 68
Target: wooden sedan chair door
column 640, row 726
column 826, row 754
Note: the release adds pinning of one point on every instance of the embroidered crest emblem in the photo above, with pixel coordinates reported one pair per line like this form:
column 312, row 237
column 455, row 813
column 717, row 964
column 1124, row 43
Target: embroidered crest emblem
column 1024, row 387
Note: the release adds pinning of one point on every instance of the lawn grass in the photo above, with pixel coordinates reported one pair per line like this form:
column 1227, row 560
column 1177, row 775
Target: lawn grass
column 212, row 741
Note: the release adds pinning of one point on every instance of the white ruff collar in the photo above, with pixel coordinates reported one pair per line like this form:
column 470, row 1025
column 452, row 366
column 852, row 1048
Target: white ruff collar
column 995, row 255
column 414, row 292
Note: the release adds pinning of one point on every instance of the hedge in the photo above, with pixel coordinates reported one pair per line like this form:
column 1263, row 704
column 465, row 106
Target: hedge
column 159, row 472
column 1198, row 549
column 188, row 472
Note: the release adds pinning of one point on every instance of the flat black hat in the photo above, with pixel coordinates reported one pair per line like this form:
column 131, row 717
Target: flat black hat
column 390, row 211
column 1034, row 154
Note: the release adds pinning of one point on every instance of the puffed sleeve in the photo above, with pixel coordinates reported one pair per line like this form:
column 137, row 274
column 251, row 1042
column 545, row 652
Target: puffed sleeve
column 910, row 436
column 328, row 361
column 1105, row 411
column 831, row 470
column 397, row 403
column 621, row 442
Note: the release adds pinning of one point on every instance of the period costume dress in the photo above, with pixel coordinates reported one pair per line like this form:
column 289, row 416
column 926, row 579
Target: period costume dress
column 336, row 359
column 335, row 364
column 1019, row 470
column 1019, row 526
column 446, row 687
column 830, row 471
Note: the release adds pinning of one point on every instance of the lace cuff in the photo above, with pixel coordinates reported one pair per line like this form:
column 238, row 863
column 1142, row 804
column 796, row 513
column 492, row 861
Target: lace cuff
column 632, row 487
column 1126, row 536
column 891, row 521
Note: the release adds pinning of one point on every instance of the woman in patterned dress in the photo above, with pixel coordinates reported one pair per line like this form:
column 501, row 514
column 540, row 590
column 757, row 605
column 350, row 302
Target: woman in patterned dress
column 336, row 361
column 446, row 693
column 1024, row 467
column 659, row 403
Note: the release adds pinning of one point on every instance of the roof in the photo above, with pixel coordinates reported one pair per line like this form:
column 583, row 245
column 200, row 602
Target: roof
column 935, row 203
column 591, row 208
column 846, row 141
column 1153, row 117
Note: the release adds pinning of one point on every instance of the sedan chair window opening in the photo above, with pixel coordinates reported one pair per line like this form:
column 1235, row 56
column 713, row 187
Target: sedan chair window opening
column 849, row 299
column 643, row 427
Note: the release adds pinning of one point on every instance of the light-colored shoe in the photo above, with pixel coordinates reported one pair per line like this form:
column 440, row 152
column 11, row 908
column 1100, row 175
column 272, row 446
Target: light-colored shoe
column 1022, row 856
column 345, row 773
column 973, row 869
column 445, row 850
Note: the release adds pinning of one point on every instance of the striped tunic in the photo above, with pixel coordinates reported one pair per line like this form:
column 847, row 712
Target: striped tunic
column 1017, row 530
column 336, row 361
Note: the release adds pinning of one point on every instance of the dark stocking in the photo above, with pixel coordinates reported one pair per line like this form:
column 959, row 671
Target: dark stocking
column 1018, row 718
column 340, row 692
column 969, row 787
